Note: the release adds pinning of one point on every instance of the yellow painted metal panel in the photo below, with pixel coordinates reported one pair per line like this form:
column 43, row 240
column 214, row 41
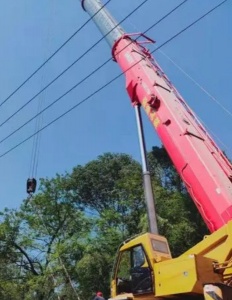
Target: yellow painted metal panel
column 184, row 275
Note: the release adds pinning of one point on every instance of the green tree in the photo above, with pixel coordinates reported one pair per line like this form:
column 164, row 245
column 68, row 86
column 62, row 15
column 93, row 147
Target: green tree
column 62, row 242
column 44, row 239
column 111, row 186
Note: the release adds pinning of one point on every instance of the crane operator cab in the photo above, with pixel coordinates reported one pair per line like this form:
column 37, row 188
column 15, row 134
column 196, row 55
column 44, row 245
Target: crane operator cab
column 133, row 270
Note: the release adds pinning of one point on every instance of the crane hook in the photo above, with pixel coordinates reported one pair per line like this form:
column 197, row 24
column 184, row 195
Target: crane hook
column 31, row 185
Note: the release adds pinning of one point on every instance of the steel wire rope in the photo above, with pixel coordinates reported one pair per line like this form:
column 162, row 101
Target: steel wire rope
column 39, row 120
column 36, row 142
column 33, row 154
column 216, row 136
column 114, row 79
column 203, row 90
column 70, row 66
column 197, row 84
column 51, row 56
column 89, row 75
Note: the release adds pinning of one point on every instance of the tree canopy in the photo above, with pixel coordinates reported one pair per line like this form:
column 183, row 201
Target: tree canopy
column 61, row 243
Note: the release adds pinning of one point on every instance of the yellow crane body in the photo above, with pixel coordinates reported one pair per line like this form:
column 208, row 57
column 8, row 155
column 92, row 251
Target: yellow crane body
column 145, row 269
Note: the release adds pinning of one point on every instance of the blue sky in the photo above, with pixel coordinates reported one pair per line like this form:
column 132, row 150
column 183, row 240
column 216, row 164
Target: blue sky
column 31, row 30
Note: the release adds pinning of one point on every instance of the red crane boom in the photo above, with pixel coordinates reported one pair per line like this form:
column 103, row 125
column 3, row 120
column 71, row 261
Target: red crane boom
column 203, row 167
column 205, row 170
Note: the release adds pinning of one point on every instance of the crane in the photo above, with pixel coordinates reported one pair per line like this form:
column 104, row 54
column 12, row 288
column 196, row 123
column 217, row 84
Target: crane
column 144, row 268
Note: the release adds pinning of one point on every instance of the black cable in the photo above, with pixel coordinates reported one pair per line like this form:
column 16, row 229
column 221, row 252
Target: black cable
column 112, row 80
column 85, row 78
column 70, row 66
column 51, row 56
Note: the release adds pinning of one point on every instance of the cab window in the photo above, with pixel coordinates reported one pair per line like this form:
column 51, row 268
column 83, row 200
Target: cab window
column 133, row 273
column 125, row 265
column 139, row 258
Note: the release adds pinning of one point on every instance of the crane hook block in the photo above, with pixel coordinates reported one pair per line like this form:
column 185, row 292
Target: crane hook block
column 31, row 185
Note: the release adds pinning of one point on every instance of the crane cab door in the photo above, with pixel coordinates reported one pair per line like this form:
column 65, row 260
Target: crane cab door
column 133, row 274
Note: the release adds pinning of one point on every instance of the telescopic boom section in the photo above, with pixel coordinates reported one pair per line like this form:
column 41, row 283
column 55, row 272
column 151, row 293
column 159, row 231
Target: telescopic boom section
column 205, row 170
